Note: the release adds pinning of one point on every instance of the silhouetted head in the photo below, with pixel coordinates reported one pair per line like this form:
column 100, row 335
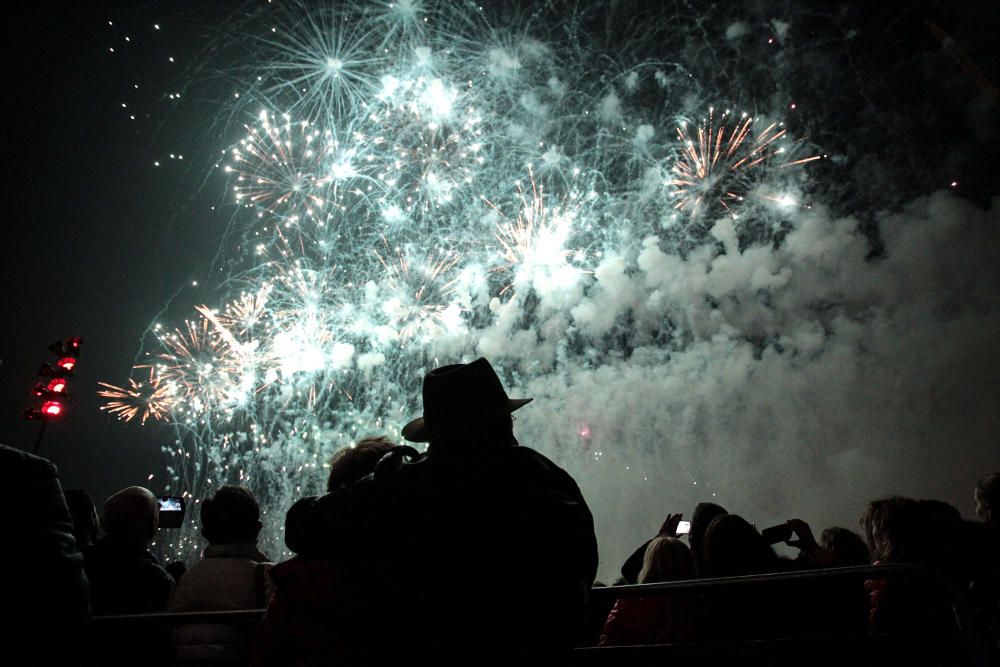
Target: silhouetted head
column 464, row 402
column 700, row 520
column 131, row 516
column 895, row 529
column 733, row 547
column 666, row 559
column 988, row 498
column 939, row 510
column 848, row 548
column 352, row 463
column 230, row 516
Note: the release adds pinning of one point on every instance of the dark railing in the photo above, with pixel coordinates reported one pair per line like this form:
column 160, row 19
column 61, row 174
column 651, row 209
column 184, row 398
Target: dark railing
column 958, row 645
column 963, row 615
column 243, row 617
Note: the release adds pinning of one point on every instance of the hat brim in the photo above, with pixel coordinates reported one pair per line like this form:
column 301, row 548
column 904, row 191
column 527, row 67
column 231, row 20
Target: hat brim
column 418, row 430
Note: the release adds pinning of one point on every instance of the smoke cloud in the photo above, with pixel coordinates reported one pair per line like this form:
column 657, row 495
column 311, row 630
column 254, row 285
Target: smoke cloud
column 798, row 381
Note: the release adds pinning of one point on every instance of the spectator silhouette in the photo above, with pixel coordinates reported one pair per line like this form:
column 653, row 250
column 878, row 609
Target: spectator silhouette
column 125, row 578
column 703, row 515
column 231, row 575
column 846, row 547
column 351, row 464
column 656, row 619
column 319, row 613
column 733, row 547
column 479, row 545
column 836, row 607
column 45, row 590
column 987, row 497
column 84, row 513
column 899, row 532
column 982, row 548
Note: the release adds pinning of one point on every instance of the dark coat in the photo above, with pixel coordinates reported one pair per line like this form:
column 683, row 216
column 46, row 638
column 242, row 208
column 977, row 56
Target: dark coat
column 319, row 615
column 474, row 547
column 125, row 579
column 46, row 590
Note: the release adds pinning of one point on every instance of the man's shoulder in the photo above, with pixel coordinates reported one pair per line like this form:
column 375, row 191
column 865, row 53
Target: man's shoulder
column 532, row 457
column 533, row 465
column 23, row 468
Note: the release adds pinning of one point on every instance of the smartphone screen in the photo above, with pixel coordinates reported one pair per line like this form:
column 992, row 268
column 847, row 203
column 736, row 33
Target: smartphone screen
column 683, row 527
column 171, row 511
column 168, row 504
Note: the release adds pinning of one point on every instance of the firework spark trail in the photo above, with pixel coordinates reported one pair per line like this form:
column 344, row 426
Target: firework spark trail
column 535, row 241
column 322, row 59
column 421, row 289
column 278, row 165
column 382, row 146
column 718, row 165
column 144, row 399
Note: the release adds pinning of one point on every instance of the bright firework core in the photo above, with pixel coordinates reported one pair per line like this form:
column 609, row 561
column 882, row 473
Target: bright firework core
column 416, row 183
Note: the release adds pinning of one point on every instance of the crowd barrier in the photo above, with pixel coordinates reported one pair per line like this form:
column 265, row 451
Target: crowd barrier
column 960, row 644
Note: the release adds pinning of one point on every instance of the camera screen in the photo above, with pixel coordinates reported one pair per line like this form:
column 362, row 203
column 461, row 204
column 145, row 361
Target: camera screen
column 683, row 527
column 170, row 505
column 171, row 511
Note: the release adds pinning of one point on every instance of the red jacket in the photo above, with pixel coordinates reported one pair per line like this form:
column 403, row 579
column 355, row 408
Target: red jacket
column 317, row 616
column 652, row 620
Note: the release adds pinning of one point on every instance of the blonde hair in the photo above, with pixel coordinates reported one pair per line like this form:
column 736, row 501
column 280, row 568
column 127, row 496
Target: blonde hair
column 666, row 559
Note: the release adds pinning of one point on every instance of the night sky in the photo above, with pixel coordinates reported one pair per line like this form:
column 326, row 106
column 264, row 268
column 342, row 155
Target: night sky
column 100, row 242
column 92, row 230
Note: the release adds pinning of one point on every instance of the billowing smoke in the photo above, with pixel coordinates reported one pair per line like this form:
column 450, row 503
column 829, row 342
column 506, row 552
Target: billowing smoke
column 799, row 381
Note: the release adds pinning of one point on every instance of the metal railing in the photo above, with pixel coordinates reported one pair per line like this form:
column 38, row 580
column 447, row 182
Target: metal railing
column 962, row 644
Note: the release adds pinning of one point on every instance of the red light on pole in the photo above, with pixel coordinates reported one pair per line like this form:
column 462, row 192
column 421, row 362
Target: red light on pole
column 52, row 409
column 53, row 392
column 57, row 386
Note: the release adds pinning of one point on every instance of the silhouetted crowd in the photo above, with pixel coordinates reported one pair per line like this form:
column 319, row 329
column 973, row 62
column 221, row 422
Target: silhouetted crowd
column 476, row 550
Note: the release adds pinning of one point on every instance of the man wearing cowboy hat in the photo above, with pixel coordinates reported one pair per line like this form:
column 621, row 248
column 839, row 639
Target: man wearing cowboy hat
column 479, row 547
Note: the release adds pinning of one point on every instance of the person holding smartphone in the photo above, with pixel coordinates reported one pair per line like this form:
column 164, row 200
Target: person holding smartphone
column 674, row 526
column 125, row 577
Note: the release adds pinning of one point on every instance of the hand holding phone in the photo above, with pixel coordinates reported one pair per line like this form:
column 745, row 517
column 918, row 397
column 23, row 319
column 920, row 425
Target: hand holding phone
column 669, row 527
column 804, row 536
column 776, row 534
column 171, row 511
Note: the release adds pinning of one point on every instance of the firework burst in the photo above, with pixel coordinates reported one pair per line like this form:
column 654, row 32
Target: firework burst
column 535, row 241
column 420, row 291
column 144, row 399
column 201, row 367
column 720, row 162
column 279, row 166
column 248, row 313
column 320, row 60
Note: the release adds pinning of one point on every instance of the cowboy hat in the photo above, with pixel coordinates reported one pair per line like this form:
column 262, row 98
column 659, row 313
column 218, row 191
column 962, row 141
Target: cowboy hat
column 459, row 396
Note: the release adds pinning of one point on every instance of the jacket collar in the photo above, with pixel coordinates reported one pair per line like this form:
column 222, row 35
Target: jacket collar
column 236, row 550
